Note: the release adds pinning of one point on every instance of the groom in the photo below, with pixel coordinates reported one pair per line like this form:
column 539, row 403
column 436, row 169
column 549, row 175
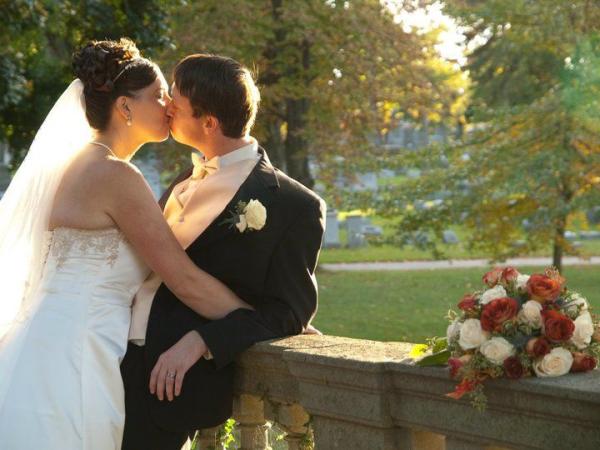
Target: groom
column 269, row 265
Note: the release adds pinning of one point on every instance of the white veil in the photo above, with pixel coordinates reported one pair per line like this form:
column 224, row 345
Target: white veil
column 26, row 206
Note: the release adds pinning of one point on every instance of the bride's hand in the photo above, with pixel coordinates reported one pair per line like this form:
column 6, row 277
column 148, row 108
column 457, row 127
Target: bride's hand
column 167, row 376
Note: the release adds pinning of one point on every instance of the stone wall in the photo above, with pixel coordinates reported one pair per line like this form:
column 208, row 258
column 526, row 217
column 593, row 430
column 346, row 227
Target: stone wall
column 357, row 394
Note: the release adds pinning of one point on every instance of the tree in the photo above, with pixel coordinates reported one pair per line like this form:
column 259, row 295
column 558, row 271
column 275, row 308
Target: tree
column 532, row 158
column 39, row 39
column 335, row 76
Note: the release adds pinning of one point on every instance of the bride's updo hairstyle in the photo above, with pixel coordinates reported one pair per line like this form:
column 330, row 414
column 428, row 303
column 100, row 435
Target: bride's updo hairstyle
column 108, row 70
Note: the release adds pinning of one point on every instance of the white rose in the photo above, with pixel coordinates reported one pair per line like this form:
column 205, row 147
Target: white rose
column 242, row 224
column 584, row 329
column 576, row 301
column 492, row 294
column 471, row 334
column 497, row 349
column 522, row 281
column 531, row 314
column 256, row 215
column 453, row 330
column 556, row 363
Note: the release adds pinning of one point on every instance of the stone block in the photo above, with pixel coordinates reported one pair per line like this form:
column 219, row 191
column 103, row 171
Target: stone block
column 338, row 435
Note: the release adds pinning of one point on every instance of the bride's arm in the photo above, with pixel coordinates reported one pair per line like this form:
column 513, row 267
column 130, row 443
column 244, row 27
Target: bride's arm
column 131, row 205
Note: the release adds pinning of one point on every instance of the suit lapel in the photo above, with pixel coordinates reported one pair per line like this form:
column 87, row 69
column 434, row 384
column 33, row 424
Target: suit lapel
column 260, row 185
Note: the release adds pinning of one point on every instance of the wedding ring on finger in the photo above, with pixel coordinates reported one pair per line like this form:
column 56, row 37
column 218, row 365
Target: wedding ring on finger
column 170, row 375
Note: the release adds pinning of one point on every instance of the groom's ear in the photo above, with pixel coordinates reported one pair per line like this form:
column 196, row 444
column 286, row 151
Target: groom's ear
column 211, row 124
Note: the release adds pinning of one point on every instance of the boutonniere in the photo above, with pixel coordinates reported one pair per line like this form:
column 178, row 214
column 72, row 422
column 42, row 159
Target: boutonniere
column 247, row 216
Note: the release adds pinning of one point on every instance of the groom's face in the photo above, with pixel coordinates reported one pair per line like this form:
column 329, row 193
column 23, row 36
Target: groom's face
column 185, row 128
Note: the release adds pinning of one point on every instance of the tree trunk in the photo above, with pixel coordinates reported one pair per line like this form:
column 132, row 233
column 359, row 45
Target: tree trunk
column 559, row 242
column 274, row 145
column 270, row 76
column 296, row 150
column 296, row 146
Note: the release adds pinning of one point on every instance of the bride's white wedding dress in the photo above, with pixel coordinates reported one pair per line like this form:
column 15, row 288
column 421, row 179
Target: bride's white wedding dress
column 65, row 390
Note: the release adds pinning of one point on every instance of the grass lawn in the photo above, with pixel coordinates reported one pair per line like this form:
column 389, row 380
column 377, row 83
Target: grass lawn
column 410, row 306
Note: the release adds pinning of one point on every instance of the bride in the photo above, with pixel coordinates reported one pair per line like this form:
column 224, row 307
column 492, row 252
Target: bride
column 79, row 233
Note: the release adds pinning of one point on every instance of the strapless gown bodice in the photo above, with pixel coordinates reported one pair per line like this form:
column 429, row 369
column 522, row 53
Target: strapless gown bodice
column 64, row 387
column 100, row 263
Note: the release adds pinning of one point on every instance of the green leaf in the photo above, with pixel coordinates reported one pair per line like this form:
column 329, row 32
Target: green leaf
column 436, row 359
column 439, row 344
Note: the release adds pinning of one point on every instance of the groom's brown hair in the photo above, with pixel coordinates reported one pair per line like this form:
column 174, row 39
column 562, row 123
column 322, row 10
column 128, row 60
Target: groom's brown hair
column 221, row 87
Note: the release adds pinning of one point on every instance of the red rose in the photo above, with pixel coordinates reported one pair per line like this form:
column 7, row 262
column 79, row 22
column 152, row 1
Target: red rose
column 537, row 347
column 583, row 362
column 454, row 364
column 513, row 368
column 509, row 274
column 498, row 311
column 493, row 277
column 468, row 302
column 557, row 326
column 543, row 288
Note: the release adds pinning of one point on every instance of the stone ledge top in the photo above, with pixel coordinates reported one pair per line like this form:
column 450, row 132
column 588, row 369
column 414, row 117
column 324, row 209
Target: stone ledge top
column 335, row 349
column 392, row 357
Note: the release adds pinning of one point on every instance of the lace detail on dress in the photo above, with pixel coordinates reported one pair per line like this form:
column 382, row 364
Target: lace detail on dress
column 64, row 240
column 46, row 247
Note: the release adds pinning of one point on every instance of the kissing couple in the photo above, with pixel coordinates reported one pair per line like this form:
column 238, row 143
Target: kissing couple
column 121, row 317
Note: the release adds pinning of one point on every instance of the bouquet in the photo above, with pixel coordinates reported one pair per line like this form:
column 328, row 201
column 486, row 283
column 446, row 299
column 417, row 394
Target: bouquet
column 518, row 326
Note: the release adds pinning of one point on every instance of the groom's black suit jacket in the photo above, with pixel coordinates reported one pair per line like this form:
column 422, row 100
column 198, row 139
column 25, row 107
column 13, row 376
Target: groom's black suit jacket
column 272, row 269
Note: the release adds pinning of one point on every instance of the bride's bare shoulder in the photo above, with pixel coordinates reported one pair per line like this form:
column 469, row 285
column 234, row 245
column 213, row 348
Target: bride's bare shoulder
column 103, row 167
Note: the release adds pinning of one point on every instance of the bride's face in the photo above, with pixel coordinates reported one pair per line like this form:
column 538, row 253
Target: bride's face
column 148, row 109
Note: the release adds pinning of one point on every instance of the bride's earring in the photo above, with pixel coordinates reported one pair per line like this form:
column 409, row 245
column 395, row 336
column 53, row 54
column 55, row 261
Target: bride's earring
column 129, row 121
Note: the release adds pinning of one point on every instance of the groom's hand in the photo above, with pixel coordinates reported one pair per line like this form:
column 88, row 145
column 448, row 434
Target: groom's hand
column 167, row 376
column 311, row 330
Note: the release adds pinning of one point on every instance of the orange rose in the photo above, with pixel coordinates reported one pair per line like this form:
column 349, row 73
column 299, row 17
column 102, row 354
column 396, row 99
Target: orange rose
column 500, row 275
column 509, row 274
column 543, row 288
column 464, row 387
column 493, row 277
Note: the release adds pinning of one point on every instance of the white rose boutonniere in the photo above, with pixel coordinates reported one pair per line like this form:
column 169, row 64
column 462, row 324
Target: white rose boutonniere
column 248, row 216
column 256, row 215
